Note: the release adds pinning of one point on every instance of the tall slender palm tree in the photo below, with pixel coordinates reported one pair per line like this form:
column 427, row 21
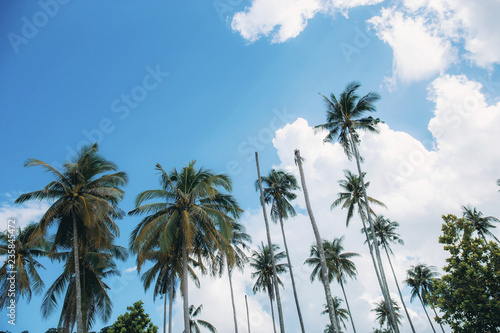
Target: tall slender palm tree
column 343, row 118
column 341, row 314
column 319, row 244
column 270, row 245
column 84, row 198
column 20, row 258
column 419, row 279
column 383, row 313
column 96, row 264
column 261, row 261
column 481, row 223
column 238, row 259
column 196, row 323
column 386, row 233
column 278, row 187
column 339, row 265
column 196, row 210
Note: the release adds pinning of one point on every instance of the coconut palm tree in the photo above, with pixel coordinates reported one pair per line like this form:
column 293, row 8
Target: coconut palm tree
column 339, row 265
column 481, row 223
column 96, row 264
column 195, row 210
column 344, row 117
column 271, row 247
column 84, row 198
column 386, row 233
column 20, row 258
column 319, row 244
column 261, row 261
column 419, row 279
column 278, row 187
column 340, row 313
column 238, row 259
column 196, row 323
column 383, row 313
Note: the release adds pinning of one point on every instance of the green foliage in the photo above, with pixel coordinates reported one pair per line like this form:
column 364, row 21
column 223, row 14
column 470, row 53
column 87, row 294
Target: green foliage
column 135, row 320
column 469, row 294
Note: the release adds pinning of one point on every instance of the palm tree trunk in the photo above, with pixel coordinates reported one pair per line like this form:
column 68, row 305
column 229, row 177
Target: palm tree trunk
column 291, row 276
column 348, row 308
column 275, row 275
column 383, row 280
column 429, row 318
column 399, row 290
column 187, row 328
column 272, row 310
column 170, row 301
column 435, row 313
column 248, row 314
column 232, row 300
column 79, row 321
column 319, row 244
column 165, row 312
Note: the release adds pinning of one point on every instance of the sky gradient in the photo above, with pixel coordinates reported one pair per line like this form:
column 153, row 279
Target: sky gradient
column 171, row 82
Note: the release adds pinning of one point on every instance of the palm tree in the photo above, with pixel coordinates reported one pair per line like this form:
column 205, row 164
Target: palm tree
column 20, row 258
column 353, row 196
column 339, row 265
column 261, row 261
column 270, row 245
column 344, row 117
column 340, row 313
column 95, row 265
column 85, row 197
column 386, row 233
column 319, row 244
column 238, row 259
column 278, row 192
column 383, row 313
column 196, row 323
column 480, row 223
column 419, row 278
column 193, row 212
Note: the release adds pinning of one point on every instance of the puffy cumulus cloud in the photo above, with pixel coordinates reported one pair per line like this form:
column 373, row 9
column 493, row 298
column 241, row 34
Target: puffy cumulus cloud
column 24, row 213
column 419, row 53
column 428, row 36
column 282, row 19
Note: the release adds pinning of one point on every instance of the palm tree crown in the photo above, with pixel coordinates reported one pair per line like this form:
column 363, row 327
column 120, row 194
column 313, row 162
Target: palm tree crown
column 346, row 114
column 278, row 187
column 383, row 313
column 261, row 262
column 481, row 223
column 419, row 278
column 196, row 323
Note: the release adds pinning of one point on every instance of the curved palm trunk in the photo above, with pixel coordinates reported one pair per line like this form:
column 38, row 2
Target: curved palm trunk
column 79, row 318
column 382, row 278
column 272, row 311
column 170, row 301
column 232, row 300
column 348, row 308
column 291, row 277
column 319, row 244
column 399, row 290
column 187, row 328
column 275, row 275
column 429, row 318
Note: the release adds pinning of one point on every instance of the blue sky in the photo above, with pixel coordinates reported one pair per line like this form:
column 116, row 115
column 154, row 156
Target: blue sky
column 167, row 82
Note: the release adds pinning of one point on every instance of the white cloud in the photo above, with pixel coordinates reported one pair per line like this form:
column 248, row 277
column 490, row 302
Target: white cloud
column 282, row 19
column 131, row 269
column 24, row 213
